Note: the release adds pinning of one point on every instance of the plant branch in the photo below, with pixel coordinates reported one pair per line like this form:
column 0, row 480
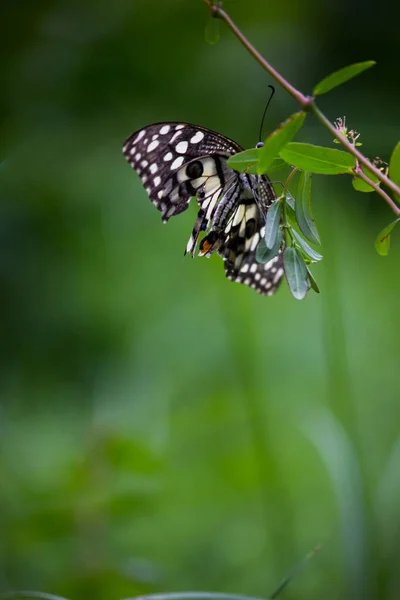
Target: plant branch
column 307, row 103
column 379, row 190
column 353, row 150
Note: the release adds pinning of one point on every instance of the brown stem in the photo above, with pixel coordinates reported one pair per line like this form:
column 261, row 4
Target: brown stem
column 379, row 190
column 307, row 103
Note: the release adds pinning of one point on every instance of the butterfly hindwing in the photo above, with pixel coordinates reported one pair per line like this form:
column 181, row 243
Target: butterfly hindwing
column 179, row 161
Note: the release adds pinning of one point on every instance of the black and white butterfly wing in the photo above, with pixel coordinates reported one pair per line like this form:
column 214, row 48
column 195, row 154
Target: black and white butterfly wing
column 178, row 161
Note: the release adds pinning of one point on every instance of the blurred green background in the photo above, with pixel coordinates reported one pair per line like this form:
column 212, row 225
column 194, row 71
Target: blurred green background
column 162, row 428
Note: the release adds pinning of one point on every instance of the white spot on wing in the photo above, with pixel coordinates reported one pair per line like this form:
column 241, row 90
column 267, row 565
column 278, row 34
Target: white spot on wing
column 177, row 163
column 153, row 168
column 157, row 181
column 177, row 134
column 245, row 268
column 255, row 240
column 139, row 136
column 168, row 156
column 152, row 146
column 138, row 156
column 144, row 163
column 253, row 268
column 278, row 275
column 165, row 129
column 238, row 215
column 178, row 127
column 263, row 281
column 197, row 137
column 182, row 147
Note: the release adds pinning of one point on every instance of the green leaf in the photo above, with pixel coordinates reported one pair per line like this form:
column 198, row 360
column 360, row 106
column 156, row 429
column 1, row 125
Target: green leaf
column 382, row 242
column 362, row 186
column 272, row 224
column 245, row 161
column 212, row 31
column 276, row 165
column 312, row 281
column 304, row 216
column 317, row 159
column 264, row 254
column 341, row 76
column 394, row 166
column 278, row 139
column 307, row 250
column 295, row 272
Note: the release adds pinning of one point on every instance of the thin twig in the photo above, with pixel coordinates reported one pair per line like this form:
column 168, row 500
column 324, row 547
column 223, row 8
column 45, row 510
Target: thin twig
column 307, row 103
column 379, row 190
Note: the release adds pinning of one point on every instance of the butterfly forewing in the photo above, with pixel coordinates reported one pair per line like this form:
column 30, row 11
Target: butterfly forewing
column 179, row 161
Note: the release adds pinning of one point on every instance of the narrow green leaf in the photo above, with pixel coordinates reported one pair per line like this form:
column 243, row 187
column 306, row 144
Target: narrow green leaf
column 278, row 139
column 317, row 159
column 212, row 31
column 304, row 216
column 362, row 186
column 313, row 283
column 307, row 250
column 272, row 224
column 394, row 166
column 264, row 254
column 245, row 161
column 341, row 76
column 295, row 272
column 382, row 242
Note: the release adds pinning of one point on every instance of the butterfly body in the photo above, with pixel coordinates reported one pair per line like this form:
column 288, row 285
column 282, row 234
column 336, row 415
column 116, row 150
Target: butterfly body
column 177, row 162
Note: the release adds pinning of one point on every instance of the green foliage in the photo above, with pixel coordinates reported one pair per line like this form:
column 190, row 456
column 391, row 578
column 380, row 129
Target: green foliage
column 362, row 186
column 317, row 159
column 295, row 272
column 265, row 254
column 341, row 76
column 306, row 249
column 272, row 225
column 382, row 242
column 278, row 140
column 304, row 215
column 246, row 161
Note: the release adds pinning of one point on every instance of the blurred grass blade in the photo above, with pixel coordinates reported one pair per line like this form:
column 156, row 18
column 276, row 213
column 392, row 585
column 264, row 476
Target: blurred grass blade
column 278, row 139
column 295, row 272
column 394, row 166
column 212, row 31
column 308, row 251
column 382, row 242
column 264, row 254
column 245, row 161
column 304, row 216
column 272, row 224
column 318, row 159
column 194, row 596
column 27, row 595
column 341, row 76
column 296, row 569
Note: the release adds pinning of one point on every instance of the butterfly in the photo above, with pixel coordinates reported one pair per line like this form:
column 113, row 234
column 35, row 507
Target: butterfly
column 177, row 162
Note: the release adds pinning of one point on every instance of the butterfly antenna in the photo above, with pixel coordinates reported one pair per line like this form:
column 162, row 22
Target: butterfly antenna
column 263, row 117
